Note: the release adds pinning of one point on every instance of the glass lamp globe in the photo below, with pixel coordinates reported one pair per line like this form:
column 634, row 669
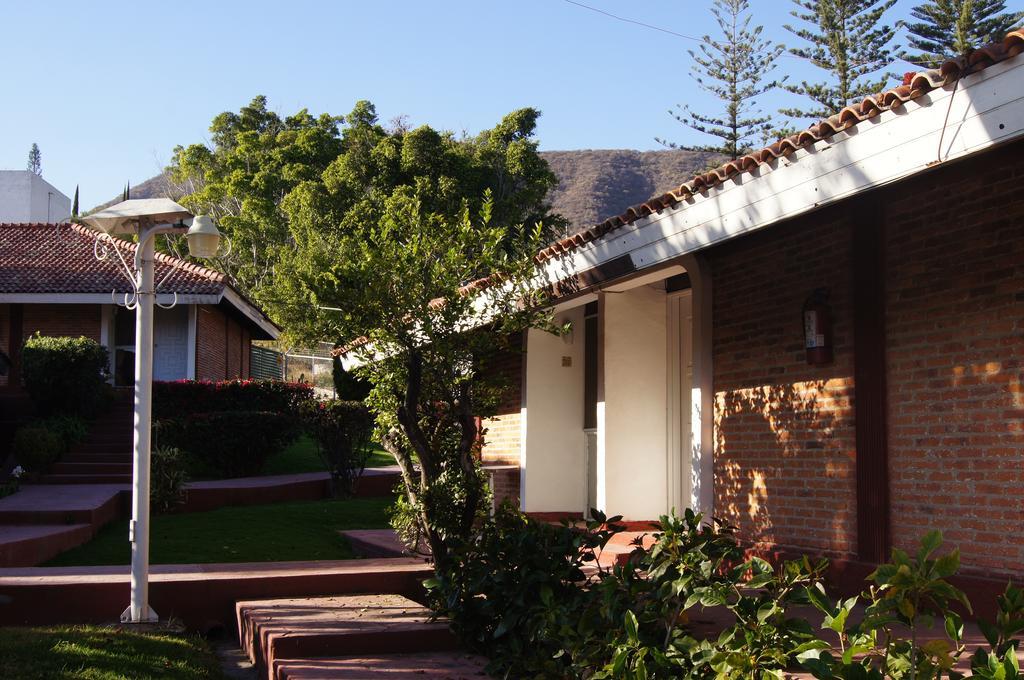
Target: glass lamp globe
column 203, row 237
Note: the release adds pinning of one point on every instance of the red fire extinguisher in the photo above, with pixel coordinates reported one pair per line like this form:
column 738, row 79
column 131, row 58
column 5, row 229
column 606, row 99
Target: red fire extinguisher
column 818, row 328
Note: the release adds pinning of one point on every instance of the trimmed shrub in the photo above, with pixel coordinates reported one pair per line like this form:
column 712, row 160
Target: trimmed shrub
column 65, row 375
column 36, row 448
column 70, row 429
column 342, row 431
column 229, row 443
column 168, row 478
column 179, row 398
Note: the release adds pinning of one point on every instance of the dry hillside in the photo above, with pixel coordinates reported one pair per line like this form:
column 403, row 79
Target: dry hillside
column 593, row 184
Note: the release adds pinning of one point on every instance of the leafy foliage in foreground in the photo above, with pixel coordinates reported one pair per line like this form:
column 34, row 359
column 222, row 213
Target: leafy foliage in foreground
column 530, row 595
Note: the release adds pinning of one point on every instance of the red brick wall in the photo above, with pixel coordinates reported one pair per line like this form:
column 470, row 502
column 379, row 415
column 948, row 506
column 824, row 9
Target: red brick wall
column 222, row 346
column 785, row 447
column 504, row 481
column 502, row 436
column 784, row 435
column 63, row 320
column 955, row 317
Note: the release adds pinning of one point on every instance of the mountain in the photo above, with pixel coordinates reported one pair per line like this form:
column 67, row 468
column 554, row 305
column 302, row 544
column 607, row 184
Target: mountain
column 593, row 184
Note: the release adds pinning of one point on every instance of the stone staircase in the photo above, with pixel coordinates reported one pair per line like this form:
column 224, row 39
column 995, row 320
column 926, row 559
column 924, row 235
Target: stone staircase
column 105, row 457
column 350, row 636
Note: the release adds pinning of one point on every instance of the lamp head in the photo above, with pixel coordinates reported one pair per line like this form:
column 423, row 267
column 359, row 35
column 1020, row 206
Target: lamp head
column 203, row 237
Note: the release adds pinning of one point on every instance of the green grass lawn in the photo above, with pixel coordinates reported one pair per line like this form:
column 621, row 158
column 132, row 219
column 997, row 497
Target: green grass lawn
column 301, row 457
column 100, row 653
column 256, row 533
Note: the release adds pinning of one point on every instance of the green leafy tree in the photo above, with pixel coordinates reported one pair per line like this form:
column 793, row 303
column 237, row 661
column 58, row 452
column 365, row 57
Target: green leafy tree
column 733, row 70
column 945, row 29
column 850, row 42
column 35, row 160
column 402, row 273
column 276, row 184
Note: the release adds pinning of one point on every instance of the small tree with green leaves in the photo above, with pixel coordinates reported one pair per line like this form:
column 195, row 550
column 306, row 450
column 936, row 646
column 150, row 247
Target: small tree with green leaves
column 405, row 284
column 850, row 42
column 35, row 160
column 733, row 69
column 945, row 29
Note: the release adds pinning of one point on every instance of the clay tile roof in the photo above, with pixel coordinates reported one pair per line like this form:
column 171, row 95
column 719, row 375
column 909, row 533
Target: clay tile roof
column 48, row 258
column 914, row 85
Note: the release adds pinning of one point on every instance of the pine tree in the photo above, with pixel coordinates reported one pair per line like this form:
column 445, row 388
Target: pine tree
column 733, row 70
column 35, row 160
column 74, row 204
column 948, row 28
column 848, row 40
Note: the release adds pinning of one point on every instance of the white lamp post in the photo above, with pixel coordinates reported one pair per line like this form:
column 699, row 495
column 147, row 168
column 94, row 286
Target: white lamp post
column 145, row 218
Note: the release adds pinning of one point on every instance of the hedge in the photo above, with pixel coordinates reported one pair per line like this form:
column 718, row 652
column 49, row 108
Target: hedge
column 224, row 444
column 65, row 375
column 174, row 399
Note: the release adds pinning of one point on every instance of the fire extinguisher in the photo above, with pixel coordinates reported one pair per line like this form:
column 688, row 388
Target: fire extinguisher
column 818, row 328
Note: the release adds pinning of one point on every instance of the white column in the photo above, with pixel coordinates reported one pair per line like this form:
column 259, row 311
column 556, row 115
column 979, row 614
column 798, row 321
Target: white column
column 702, row 395
column 632, row 471
column 554, row 479
column 139, row 610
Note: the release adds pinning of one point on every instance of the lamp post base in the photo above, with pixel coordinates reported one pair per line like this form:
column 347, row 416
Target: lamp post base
column 149, row 617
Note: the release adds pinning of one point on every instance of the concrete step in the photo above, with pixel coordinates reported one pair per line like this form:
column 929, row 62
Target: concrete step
column 26, row 546
column 347, row 625
column 104, row 447
column 440, row 665
column 74, row 467
column 86, row 479
column 58, row 504
column 123, row 457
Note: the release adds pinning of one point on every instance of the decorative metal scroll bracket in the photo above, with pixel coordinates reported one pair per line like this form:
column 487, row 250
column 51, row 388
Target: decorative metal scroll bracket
column 104, row 245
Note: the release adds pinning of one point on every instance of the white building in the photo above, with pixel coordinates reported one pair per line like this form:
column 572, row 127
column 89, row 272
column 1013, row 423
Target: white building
column 27, row 197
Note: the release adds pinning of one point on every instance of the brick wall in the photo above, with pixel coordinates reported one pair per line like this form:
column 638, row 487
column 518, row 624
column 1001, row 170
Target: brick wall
column 784, row 431
column 955, row 317
column 63, row 320
column 504, row 481
column 222, row 346
column 52, row 320
column 211, row 332
column 785, row 448
column 502, row 436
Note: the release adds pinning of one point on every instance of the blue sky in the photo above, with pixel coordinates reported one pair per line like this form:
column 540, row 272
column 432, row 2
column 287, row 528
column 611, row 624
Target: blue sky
column 108, row 89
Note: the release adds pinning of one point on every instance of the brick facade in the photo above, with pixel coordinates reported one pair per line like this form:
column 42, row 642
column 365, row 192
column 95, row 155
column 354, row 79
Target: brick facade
column 955, row 318
column 784, row 431
column 502, row 432
column 785, row 443
column 222, row 346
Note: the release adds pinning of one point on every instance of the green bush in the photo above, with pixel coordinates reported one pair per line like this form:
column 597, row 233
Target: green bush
column 519, row 593
column 65, row 375
column 37, row 448
column 342, row 432
column 70, row 429
column 229, row 443
column 179, row 398
column 168, row 476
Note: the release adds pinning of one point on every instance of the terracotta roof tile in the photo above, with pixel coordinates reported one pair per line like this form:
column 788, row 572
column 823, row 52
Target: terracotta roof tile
column 914, row 85
column 47, row 258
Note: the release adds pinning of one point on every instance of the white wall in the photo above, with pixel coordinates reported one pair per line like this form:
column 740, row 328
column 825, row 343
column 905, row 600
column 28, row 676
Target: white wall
column 552, row 461
column 632, row 404
column 26, row 197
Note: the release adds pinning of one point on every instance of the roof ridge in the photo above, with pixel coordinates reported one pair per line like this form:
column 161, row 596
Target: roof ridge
column 914, row 85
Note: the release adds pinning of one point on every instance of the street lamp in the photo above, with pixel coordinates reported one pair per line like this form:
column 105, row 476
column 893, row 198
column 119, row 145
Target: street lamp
column 146, row 219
